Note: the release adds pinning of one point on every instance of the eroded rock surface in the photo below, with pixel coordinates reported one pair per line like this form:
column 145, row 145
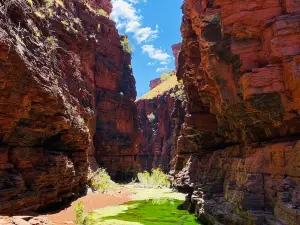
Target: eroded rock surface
column 62, row 72
column 160, row 123
column 161, row 113
column 238, row 154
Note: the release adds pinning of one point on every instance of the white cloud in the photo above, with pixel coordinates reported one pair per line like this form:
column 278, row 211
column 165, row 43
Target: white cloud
column 127, row 17
column 156, row 54
column 163, row 69
column 151, row 63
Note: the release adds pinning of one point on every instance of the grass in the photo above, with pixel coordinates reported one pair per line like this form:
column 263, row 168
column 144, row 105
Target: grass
column 101, row 182
column 161, row 89
column 166, row 76
column 163, row 211
column 155, row 178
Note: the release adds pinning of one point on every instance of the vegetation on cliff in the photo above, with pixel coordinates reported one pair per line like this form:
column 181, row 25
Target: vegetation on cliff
column 100, row 181
column 169, row 82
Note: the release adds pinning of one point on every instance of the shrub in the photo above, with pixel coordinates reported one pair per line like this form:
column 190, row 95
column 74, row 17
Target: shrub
column 144, row 178
column 151, row 117
column 51, row 43
column 156, row 178
column 127, row 46
column 81, row 215
column 103, row 12
column 100, row 181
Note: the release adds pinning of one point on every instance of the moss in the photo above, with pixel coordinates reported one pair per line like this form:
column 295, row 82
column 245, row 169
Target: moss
column 163, row 211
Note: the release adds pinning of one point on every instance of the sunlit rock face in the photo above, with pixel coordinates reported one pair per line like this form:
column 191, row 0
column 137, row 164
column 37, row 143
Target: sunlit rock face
column 101, row 4
column 154, row 83
column 238, row 153
column 66, row 93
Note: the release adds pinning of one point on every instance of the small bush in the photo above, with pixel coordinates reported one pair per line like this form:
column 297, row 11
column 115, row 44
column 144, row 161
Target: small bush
column 103, row 13
column 151, row 117
column 156, row 178
column 100, row 181
column 51, row 43
column 127, row 46
column 81, row 215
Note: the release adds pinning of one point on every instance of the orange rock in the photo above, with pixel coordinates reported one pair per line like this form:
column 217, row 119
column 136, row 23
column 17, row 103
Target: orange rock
column 237, row 153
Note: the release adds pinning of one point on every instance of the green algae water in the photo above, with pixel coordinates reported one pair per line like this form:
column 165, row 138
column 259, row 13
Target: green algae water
column 149, row 207
column 148, row 212
column 155, row 212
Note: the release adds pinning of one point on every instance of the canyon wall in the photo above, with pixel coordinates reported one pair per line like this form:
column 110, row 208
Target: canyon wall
column 238, row 151
column 160, row 124
column 161, row 113
column 65, row 85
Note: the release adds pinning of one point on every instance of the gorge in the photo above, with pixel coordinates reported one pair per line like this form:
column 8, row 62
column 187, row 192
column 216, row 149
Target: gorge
column 225, row 124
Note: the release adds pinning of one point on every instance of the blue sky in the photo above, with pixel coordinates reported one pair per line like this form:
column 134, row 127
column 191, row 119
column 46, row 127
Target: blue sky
column 152, row 27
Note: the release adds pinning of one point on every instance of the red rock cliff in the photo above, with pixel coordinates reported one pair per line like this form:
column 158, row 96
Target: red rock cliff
column 154, row 83
column 238, row 152
column 64, row 77
column 176, row 50
column 161, row 113
column 160, row 123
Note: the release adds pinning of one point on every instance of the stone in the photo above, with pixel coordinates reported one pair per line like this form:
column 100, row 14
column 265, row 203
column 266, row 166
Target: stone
column 66, row 94
column 154, row 83
column 176, row 48
column 158, row 141
column 237, row 153
column 19, row 221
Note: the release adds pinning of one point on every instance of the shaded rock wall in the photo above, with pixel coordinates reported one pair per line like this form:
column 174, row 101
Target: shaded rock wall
column 62, row 64
column 117, row 128
column 160, row 123
column 237, row 154
column 161, row 117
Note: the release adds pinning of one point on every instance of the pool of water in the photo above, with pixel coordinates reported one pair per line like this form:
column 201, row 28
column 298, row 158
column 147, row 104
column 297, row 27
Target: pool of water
column 152, row 212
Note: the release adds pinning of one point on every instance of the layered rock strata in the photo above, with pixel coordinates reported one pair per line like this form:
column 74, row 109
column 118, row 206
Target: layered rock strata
column 154, row 83
column 63, row 69
column 160, row 123
column 161, row 113
column 238, row 153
